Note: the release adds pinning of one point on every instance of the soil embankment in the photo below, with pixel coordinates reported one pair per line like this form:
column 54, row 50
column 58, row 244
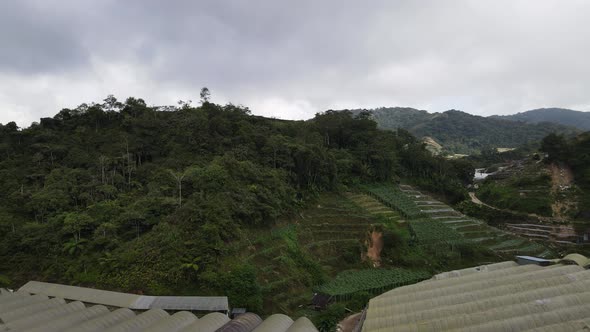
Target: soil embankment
column 562, row 179
column 374, row 247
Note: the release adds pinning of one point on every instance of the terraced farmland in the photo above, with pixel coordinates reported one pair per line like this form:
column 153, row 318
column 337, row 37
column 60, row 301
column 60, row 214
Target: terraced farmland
column 374, row 281
column 375, row 207
column 395, row 199
column 473, row 230
column 327, row 238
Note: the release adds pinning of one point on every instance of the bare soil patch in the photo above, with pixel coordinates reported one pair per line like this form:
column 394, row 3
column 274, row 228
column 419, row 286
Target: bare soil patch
column 374, row 247
column 562, row 179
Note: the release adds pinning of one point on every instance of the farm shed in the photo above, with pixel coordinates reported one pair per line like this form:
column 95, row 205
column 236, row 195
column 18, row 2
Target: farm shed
column 45, row 307
column 496, row 297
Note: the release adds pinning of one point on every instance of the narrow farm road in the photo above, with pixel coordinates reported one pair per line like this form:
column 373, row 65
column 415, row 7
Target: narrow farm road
column 476, row 200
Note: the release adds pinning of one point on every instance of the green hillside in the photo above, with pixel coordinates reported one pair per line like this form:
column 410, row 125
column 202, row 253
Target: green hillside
column 557, row 186
column 460, row 132
column 580, row 120
column 197, row 200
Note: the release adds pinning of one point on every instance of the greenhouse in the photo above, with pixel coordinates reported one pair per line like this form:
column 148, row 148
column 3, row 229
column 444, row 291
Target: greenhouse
column 496, row 297
column 44, row 307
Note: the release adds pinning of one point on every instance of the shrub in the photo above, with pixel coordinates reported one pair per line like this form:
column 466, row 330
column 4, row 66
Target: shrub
column 4, row 281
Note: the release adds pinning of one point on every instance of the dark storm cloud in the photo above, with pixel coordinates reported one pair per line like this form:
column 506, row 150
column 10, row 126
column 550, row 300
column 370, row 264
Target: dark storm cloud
column 291, row 59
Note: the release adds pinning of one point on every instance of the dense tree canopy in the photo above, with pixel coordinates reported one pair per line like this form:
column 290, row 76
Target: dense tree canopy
column 138, row 198
column 460, row 132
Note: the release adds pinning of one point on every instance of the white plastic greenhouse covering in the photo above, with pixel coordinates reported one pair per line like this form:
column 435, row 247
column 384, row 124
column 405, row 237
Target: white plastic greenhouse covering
column 302, row 324
column 22, row 311
column 124, row 300
column 496, row 297
column 211, row 322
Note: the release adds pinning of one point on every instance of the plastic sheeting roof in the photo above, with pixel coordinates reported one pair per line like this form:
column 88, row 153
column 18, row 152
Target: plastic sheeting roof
column 496, row 297
column 581, row 260
column 124, row 300
column 23, row 311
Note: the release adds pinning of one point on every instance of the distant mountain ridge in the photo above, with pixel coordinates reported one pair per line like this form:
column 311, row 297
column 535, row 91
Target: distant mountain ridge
column 460, row 132
column 567, row 117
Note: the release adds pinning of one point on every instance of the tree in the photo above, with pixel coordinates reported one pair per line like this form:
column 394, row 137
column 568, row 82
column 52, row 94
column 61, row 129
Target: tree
column 74, row 223
column 4, row 281
column 556, row 147
column 75, row 246
column 179, row 177
column 191, row 266
column 205, row 95
column 111, row 104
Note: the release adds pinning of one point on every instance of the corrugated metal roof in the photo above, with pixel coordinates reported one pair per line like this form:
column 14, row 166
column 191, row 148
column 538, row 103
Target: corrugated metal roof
column 495, row 297
column 124, row 300
column 21, row 311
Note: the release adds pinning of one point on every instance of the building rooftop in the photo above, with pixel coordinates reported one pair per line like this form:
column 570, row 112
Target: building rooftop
column 496, row 297
column 125, row 300
column 45, row 307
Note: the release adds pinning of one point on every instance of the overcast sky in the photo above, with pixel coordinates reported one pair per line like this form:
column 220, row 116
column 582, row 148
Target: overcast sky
column 291, row 59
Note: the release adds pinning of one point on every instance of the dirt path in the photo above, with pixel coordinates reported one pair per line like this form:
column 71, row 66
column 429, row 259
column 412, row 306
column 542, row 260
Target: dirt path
column 476, row 200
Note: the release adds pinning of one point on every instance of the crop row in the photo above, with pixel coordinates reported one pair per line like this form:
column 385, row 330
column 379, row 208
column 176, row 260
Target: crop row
column 428, row 231
column 395, row 199
column 373, row 281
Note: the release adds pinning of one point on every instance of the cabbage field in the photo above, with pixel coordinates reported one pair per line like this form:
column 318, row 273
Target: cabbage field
column 374, row 281
column 395, row 199
column 429, row 231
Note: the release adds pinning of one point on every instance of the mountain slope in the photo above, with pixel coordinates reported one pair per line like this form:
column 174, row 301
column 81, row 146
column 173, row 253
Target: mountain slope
column 460, row 132
column 578, row 119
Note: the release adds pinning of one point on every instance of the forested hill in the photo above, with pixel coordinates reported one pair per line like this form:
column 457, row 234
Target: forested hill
column 134, row 198
column 460, row 132
column 580, row 120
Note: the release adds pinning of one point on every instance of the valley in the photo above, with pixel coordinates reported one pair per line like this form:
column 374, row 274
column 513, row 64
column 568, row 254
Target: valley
column 306, row 218
column 544, row 195
column 281, row 166
column 455, row 132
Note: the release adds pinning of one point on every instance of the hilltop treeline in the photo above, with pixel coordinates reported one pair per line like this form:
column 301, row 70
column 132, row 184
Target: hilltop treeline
column 460, row 132
column 125, row 196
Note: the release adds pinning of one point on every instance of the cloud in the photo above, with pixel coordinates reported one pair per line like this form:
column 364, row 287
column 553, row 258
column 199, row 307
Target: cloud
column 292, row 59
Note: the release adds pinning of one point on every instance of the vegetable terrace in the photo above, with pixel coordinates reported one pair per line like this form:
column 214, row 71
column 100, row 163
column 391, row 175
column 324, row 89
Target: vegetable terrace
column 371, row 280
